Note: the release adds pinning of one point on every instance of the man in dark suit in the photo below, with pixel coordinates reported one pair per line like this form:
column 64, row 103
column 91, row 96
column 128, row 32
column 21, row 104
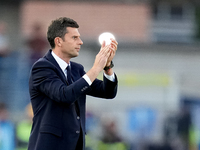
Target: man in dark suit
column 58, row 88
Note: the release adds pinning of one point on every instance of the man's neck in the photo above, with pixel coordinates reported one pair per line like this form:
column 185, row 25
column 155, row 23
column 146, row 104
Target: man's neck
column 61, row 56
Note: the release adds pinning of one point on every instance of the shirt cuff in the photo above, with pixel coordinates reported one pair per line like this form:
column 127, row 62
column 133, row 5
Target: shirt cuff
column 110, row 77
column 87, row 79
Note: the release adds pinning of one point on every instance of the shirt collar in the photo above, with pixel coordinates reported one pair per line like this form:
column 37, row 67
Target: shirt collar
column 63, row 65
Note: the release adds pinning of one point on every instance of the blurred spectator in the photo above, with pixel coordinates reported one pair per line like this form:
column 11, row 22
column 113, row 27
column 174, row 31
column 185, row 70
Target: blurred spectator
column 92, row 124
column 4, row 51
column 23, row 129
column 7, row 136
column 184, row 124
column 111, row 140
column 4, row 42
column 37, row 43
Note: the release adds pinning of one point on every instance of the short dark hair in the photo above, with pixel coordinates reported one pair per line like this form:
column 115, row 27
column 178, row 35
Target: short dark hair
column 58, row 28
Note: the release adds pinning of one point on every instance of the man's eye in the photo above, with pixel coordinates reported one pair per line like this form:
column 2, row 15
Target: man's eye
column 74, row 37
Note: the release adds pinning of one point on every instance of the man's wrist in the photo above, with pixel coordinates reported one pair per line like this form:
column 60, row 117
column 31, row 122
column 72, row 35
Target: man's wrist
column 108, row 64
column 111, row 65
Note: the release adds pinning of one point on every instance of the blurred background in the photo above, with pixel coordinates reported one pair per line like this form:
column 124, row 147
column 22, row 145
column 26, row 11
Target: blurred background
column 157, row 63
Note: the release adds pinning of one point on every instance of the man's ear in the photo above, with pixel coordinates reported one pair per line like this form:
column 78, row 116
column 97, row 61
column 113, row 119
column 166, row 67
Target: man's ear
column 58, row 41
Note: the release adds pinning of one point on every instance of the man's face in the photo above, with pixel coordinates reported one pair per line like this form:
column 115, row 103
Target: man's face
column 71, row 43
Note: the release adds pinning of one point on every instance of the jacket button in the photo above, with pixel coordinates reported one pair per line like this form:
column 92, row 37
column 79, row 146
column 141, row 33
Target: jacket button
column 78, row 117
column 77, row 132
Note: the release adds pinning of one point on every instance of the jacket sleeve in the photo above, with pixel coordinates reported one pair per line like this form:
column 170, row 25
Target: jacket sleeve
column 47, row 79
column 104, row 89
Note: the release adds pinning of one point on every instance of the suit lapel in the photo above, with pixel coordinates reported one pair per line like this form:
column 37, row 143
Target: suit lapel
column 75, row 76
column 75, row 72
column 50, row 58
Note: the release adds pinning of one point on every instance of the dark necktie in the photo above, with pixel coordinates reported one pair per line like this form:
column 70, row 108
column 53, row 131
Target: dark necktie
column 69, row 78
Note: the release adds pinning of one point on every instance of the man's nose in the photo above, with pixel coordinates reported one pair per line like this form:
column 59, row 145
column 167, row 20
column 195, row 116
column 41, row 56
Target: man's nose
column 81, row 42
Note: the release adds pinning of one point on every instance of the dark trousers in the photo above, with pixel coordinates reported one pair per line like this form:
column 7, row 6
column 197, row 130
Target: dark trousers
column 79, row 145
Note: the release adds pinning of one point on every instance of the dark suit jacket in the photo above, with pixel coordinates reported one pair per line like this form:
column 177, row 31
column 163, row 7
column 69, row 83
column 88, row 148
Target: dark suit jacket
column 56, row 125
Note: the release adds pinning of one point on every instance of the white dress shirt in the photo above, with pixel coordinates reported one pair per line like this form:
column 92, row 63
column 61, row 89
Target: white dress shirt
column 63, row 65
